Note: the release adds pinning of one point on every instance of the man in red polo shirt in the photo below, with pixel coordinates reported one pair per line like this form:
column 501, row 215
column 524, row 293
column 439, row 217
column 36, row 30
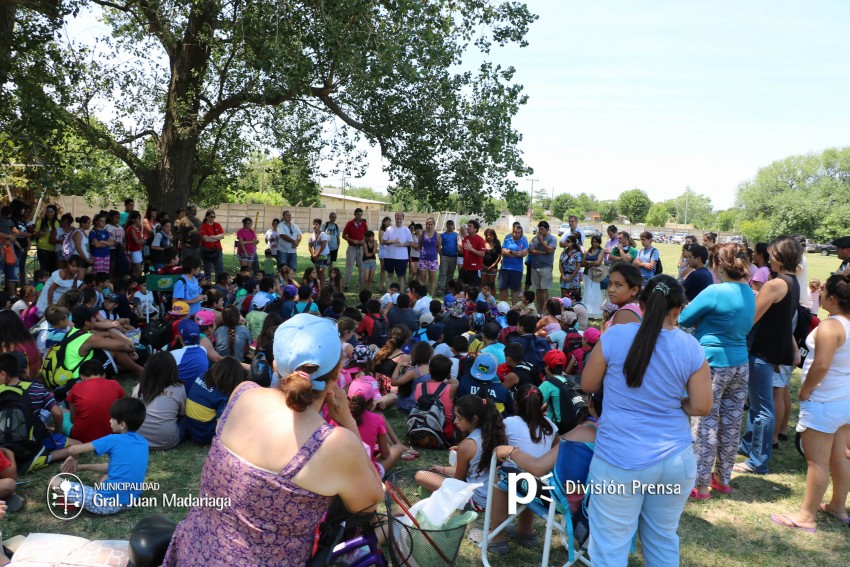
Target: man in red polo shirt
column 353, row 233
column 473, row 254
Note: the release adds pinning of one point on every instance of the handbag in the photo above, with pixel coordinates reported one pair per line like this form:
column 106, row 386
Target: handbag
column 597, row 273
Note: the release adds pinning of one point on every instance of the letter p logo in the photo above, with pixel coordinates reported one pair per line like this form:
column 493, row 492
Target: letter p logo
column 530, row 486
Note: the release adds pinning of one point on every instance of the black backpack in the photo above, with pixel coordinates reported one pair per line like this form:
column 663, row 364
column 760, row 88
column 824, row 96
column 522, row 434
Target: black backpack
column 261, row 372
column 21, row 431
column 572, row 403
column 535, row 349
column 380, row 330
column 427, row 420
column 802, row 328
column 659, row 269
column 156, row 334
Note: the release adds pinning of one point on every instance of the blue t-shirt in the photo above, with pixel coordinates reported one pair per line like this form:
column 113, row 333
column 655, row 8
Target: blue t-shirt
column 643, row 426
column 99, row 235
column 696, row 282
column 204, row 406
column 513, row 263
column 192, row 362
column 645, row 255
column 188, row 287
column 128, row 463
column 470, row 386
column 723, row 315
column 448, row 242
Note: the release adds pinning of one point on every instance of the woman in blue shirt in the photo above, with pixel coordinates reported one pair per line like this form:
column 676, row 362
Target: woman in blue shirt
column 644, row 466
column 723, row 315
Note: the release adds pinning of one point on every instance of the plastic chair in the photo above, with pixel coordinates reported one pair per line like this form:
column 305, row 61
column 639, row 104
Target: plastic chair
column 573, row 465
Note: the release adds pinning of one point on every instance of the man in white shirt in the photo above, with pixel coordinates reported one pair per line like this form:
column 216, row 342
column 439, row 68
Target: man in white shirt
column 573, row 221
column 289, row 236
column 397, row 242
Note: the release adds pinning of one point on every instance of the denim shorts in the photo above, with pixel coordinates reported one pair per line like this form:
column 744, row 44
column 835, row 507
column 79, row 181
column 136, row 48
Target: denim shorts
column 826, row 417
column 12, row 273
column 369, row 264
column 99, row 508
column 782, row 378
column 510, row 279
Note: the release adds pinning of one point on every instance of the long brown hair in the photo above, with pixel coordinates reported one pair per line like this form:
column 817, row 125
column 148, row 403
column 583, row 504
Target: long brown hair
column 230, row 319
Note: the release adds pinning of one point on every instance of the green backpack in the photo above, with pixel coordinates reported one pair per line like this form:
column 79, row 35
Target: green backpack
column 54, row 373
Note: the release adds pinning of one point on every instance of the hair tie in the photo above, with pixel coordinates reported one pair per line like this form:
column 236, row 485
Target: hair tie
column 318, row 385
column 662, row 288
column 532, row 390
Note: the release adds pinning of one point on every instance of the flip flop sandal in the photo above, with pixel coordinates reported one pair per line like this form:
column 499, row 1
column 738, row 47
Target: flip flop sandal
column 845, row 521
column 790, row 524
column 742, row 468
column 409, row 456
column 717, row 487
column 697, row 495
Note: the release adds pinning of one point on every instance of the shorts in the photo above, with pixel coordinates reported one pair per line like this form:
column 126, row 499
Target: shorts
column 395, row 266
column 486, row 273
column 470, row 277
column 54, row 441
column 429, row 265
column 89, row 504
column 782, row 378
column 380, row 469
column 826, row 417
column 369, row 264
column 136, row 257
column 541, row 278
column 12, row 273
column 321, row 262
column 332, row 255
column 100, row 264
column 510, row 279
column 247, row 257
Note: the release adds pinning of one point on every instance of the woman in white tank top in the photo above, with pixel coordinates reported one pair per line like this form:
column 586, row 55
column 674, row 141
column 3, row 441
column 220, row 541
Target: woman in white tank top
column 825, row 411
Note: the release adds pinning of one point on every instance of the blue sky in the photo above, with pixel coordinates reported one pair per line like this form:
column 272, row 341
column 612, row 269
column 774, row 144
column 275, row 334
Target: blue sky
column 662, row 95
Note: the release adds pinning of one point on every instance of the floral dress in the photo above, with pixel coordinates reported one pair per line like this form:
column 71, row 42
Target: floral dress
column 570, row 264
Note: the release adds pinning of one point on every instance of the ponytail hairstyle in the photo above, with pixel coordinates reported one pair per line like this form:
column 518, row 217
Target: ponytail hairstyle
column 225, row 375
column 787, row 251
column 529, row 406
column 345, row 324
column 82, row 220
column 230, row 319
column 838, row 287
column 732, row 259
column 298, row 389
column 399, row 335
column 482, row 413
column 358, row 405
column 661, row 294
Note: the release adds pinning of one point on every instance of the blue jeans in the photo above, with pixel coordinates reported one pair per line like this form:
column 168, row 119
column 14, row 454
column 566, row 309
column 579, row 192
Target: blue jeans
column 288, row 258
column 757, row 441
column 615, row 517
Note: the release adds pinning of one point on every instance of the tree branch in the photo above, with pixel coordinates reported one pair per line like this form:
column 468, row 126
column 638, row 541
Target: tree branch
column 104, row 141
column 141, row 134
column 152, row 21
column 323, row 94
column 239, row 100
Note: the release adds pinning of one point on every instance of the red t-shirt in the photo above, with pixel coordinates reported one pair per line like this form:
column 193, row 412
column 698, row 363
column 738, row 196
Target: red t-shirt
column 472, row 261
column 5, row 463
column 134, row 241
column 354, row 230
column 91, row 400
column 213, row 229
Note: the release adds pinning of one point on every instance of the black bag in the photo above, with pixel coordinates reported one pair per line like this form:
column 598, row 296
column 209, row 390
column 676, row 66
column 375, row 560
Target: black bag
column 156, row 334
column 659, row 268
column 380, row 330
column 261, row 372
column 21, row 431
column 427, row 420
column 804, row 324
column 572, row 403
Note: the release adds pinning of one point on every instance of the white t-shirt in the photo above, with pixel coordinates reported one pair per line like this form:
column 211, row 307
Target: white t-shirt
column 402, row 234
column 61, row 287
column 60, row 236
column 569, row 232
column 519, row 436
column 323, row 239
column 422, row 306
column 803, row 280
column 293, row 232
column 147, row 301
column 272, row 240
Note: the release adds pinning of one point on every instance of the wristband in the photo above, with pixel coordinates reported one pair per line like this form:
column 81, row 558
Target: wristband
column 511, row 453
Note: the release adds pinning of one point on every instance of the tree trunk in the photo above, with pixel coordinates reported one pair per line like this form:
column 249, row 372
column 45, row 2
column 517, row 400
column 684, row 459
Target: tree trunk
column 7, row 27
column 170, row 187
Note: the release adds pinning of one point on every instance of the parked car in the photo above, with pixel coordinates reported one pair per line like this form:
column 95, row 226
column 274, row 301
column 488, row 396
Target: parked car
column 679, row 237
column 826, row 249
column 565, row 227
column 590, row 231
column 737, row 240
column 660, row 237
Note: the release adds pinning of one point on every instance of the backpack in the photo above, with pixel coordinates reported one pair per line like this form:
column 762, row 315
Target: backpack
column 427, row 420
column 261, row 372
column 535, row 349
column 20, row 430
column 54, row 373
column 659, row 268
column 68, row 247
column 572, row 341
column 380, row 331
column 572, row 403
column 156, row 334
column 806, row 322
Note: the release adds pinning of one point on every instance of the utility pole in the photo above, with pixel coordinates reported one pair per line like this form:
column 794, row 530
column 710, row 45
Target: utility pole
column 687, row 194
column 531, row 194
column 343, row 190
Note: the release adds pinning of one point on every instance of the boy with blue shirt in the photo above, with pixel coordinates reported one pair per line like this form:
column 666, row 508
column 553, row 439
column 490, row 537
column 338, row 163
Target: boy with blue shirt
column 482, row 381
column 127, row 467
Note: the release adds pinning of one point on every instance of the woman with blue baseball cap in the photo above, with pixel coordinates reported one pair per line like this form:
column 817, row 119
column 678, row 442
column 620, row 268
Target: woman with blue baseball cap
column 278, row 462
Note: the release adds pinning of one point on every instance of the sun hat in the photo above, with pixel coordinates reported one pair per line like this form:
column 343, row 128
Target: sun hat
column 306, row 339
column 591, row 335
column 555, row 358
column 179, row 309
column 361, row 354
column 205, row 318
column 363, row 388
column 189, row 331
column 502, row 307
column 458, row 309
column 484, row 367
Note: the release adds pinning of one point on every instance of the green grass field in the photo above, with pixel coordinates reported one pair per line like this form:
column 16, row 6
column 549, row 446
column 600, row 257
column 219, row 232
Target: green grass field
column 726, row 531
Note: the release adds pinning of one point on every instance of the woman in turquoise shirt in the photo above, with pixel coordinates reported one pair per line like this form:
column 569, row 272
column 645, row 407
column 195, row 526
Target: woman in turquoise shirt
column 723, row 315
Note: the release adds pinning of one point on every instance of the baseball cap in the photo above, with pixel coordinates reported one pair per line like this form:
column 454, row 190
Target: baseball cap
column 481, row 306
column 81, row 314
column 260, row 301
column 449, row 300
column 205, row 318
column 291, row 291
column 306, row 339
column 484, row 367
column 843, row 242
column 458, row 309
column 110, row 297
column 566, row 302
column 426, row 319
column 435, row 331
column 502, row 307
column 555, row 358
column 363, row 388
column 179, row 309
column 189, row 331
column 591, row 335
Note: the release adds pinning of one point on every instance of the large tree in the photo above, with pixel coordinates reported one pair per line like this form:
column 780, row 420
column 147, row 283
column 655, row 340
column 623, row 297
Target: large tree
column 634, row 204
column 195, row 85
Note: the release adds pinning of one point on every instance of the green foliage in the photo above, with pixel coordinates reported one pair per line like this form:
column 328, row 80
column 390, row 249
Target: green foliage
column 727, row 220
column 609, row 211
column 565, row 205
column 517, row 203
column 803, row 194
column 658, row 215
column 756, row 230
column 274, row 181
column 634, row 205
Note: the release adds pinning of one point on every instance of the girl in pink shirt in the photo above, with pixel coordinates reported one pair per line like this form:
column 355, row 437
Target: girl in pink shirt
column 372, row 427
column 246, row 243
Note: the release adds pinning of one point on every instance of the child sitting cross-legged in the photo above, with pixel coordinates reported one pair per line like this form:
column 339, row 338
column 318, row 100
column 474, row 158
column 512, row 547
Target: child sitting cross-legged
column 89, row 401
column 372, row 427
column 128, row 461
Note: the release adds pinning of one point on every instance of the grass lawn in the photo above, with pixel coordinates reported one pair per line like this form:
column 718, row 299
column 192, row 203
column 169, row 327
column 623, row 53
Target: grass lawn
column 725, row 531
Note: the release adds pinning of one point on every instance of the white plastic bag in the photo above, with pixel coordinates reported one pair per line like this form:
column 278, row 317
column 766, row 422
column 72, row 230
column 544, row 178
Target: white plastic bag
column 438, row 507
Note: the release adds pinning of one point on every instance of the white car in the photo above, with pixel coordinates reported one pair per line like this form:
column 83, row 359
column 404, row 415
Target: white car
column 563, row 228
column 679, row 238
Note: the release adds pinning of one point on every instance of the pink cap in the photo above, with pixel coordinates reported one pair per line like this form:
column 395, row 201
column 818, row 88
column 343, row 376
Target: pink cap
column 362, row 387
column 205, row 318
column 591, row 335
